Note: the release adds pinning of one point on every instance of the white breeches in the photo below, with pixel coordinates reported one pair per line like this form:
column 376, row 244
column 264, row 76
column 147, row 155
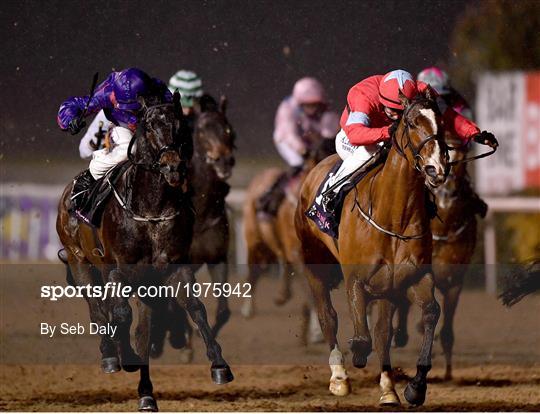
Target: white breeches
column 103, row 160
column 353, row 157
column 85, row 150
column 291, row 157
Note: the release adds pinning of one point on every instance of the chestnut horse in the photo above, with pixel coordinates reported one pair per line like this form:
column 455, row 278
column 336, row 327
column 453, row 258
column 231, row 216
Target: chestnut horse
column 454, row 241
column 146, row 226
column 274, row 240
column 211, row 166
column 384, row 248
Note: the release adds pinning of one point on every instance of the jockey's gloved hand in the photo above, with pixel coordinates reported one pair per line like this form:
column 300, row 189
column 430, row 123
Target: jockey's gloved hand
column 76, row 125
column 486, row 138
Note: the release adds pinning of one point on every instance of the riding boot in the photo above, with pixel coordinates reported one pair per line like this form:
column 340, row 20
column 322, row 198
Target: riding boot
column 81, row 189
column 330, row 198
column 270, row 201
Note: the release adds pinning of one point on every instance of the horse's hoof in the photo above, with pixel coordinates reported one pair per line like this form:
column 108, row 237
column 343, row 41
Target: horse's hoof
column 156, row 350
column 222, row 375
column 178, row 339
column 131, row 362
column 359, row 361
column 131, row 367
column 389, row 398
column 148, row 404
column 415, row 394
column 110, row 365
column 340, row 387
column 361, row 350
column 186, row 355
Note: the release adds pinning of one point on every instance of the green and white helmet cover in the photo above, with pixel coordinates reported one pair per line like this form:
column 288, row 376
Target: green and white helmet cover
column 188, row 84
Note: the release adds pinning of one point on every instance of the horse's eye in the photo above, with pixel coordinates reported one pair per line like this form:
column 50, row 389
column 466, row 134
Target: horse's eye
column 228, row 130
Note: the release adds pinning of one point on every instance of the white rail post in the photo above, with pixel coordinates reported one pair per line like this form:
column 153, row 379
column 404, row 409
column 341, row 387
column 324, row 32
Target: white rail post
column 490, row 252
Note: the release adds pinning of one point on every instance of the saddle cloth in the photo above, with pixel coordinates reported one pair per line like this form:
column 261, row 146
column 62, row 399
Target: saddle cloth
column 99, row 192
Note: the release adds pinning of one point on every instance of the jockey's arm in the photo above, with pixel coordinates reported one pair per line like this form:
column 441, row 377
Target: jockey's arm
column 356, row 122
column 286, row 129
column 464, row 128
column 73, row 107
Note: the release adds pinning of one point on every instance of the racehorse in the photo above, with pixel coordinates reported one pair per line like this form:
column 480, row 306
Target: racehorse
column 275, row 240
column 148, row 224
column 211, row 166
column 454, row 241
column 383, row 248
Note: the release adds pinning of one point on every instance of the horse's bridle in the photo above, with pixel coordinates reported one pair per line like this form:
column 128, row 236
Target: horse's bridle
column 155, row 165
column 416, row 150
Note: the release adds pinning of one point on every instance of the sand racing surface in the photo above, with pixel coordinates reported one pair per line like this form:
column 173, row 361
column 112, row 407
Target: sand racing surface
column 497, row 360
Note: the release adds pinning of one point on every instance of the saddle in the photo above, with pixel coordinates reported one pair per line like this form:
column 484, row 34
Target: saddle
column 328, row 221
column 99, row 192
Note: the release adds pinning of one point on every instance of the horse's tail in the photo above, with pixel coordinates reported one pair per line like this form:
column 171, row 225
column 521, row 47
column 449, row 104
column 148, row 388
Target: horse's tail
column 520, row 283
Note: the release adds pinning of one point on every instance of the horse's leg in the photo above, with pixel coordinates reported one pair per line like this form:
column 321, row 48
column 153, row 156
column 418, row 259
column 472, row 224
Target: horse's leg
column 339, row 381
column 450, row 301
column 221, row 373
column 360, row 343
column 220, row 274
column 284, row 293
column 401, row 337
column 121, row 319
column 99, row 314
column 383, row 341
column 423, row 295
column 254, row 272
column 147, row 402
column 158, row 328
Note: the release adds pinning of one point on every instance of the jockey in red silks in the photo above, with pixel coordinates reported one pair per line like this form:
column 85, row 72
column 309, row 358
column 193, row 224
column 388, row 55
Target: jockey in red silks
column 302, row 121
column 118, row 97
column 373, row 105
column 439, row 81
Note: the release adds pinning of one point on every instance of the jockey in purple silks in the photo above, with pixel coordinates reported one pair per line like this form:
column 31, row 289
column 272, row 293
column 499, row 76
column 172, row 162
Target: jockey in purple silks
column 118, row 97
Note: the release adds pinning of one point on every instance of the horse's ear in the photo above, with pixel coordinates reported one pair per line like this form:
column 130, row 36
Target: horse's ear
column 177, row 104
column 403, row 99
column 429, row 93
column 223, row 104
column 142, row 102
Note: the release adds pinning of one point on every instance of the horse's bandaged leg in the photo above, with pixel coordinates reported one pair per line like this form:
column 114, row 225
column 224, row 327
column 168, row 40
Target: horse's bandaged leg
column 315, row 333
column 339, row 381
column 388, row 392
column 104, row 160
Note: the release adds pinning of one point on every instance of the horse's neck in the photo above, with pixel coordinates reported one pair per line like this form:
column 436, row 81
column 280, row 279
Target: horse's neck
column 150, row 193
column 203, row 180
column 399, row 192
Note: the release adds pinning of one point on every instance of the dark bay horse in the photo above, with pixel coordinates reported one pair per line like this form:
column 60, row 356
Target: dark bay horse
column 148, row 224
column 211, row 166
column 274, row 240
column 454, row 240
column 384, row 248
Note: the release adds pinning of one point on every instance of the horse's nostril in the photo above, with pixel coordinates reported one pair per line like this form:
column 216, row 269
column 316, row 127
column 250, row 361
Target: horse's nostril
column 431, row 171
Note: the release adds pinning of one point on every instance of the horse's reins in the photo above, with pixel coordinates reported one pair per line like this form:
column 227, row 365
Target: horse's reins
column 468, row 159
column 400, row 150
column 153, row 167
